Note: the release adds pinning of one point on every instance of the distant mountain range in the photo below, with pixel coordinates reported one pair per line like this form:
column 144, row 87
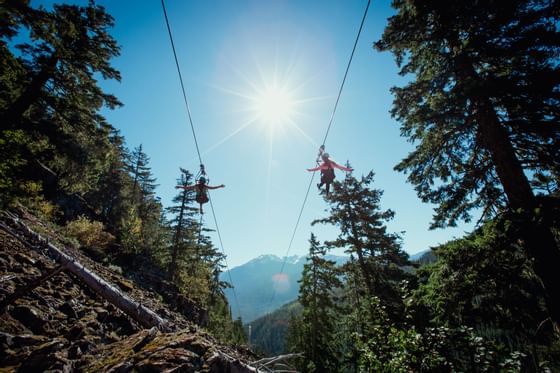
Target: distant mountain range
column 261, row 286
column 423, row 257
column 418, row 255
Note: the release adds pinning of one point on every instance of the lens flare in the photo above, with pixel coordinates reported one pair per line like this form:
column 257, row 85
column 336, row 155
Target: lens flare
column 274, row 106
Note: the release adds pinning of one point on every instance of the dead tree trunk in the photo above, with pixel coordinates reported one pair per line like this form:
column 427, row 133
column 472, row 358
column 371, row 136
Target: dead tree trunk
column 143, row 315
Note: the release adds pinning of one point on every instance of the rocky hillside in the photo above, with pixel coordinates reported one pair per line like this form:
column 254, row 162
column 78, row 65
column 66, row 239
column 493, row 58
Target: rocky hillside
column 51, row 321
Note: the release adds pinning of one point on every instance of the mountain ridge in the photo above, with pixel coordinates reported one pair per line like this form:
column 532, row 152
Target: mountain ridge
column 261, row 288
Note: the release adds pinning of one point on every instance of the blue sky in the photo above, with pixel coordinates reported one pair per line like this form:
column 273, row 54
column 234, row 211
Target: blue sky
column 231, row 53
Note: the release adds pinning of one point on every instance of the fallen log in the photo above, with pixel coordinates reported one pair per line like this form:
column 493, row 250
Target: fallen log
column 143, row 315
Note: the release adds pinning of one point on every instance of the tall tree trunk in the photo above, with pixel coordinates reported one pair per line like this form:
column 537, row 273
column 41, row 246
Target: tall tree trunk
column 31, row 94
column 538, row 236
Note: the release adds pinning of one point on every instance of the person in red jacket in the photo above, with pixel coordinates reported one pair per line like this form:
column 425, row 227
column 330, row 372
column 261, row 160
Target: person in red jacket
column 201, row 189
column 327, row 171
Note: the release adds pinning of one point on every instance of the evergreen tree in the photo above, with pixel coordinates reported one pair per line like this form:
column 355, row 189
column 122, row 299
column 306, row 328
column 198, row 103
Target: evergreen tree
column 318, row 322
column 221, row 324
column 483, row 109
column 486, row 282
column 143, row 184
column 186, row 228
column 68, row 47
column 50, row 100
column 145, row 205
column 355, row 210
column 113, row 190
column 12, row 141
column 194, row 264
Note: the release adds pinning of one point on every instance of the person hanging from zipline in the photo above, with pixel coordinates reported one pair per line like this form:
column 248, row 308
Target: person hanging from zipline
column 327, row 170
column 201, row 190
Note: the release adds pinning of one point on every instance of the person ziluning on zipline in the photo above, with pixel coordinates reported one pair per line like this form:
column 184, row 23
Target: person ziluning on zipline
column 327, row 170
column 201, row 190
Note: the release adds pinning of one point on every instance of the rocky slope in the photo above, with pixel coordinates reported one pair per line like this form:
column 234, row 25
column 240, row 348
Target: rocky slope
column 62, row 325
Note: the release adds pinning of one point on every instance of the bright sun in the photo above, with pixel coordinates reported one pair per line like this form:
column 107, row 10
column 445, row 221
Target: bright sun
column 274, row 106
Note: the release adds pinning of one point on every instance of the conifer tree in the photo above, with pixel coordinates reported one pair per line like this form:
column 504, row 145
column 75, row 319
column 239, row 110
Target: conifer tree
column 113, row 189
column 145, row 206
column 194, row 263
column 50, row 105
column 483, row 109
column 355, row 210
column 69, row 46
column 185, row 227
column 317, row 328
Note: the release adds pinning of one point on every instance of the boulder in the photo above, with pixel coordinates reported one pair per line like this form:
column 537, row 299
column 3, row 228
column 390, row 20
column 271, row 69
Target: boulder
column 43, row 358
column 67, row 309
column 30, row 317
column 24, row 259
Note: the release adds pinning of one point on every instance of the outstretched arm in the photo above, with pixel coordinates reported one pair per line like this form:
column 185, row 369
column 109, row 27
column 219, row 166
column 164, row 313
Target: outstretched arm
column 185, row 187
column 314, row 168
column 215, row 187
column 336, row 165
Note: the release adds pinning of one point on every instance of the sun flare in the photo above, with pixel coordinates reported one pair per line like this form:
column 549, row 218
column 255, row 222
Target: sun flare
column 274, row 106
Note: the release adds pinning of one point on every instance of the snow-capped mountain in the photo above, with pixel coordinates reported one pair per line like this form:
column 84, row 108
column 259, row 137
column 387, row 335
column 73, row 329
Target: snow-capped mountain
column 261, row 288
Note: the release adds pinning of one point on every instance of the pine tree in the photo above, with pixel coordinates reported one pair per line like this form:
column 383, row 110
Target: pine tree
column 145, row 206
column 486, row 282
column 52, row 99
column 355, row 210
column 483, row 109
column 69, row 46
column 317, row 326
column 186, row 228
column 193, row 263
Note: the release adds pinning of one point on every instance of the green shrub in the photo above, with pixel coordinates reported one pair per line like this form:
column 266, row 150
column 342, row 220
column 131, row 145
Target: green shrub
column 89, row 233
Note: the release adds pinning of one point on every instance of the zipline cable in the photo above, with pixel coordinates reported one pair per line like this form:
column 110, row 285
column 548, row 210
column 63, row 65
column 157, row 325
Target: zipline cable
column 225, row 257
column 322, row 145
column 198, row 151
column 181, row 80
column 346, row 73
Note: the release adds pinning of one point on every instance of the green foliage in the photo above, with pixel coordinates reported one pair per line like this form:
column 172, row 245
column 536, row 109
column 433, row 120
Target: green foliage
column 50, row 100
column 222, row 326
column 89, row 233
column 11, row 141
column 477, row 307
column 186, row 229
column 482, row 109
column 60, row 157
column 270, row 333
column 485, row 278
column 486, row 282
column 143, row 229
column 382, row 346
column 354, row 208
column 313, row 332
column 482, row 106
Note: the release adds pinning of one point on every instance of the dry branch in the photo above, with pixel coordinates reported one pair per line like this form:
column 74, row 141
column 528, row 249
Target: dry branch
column 270, row 363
